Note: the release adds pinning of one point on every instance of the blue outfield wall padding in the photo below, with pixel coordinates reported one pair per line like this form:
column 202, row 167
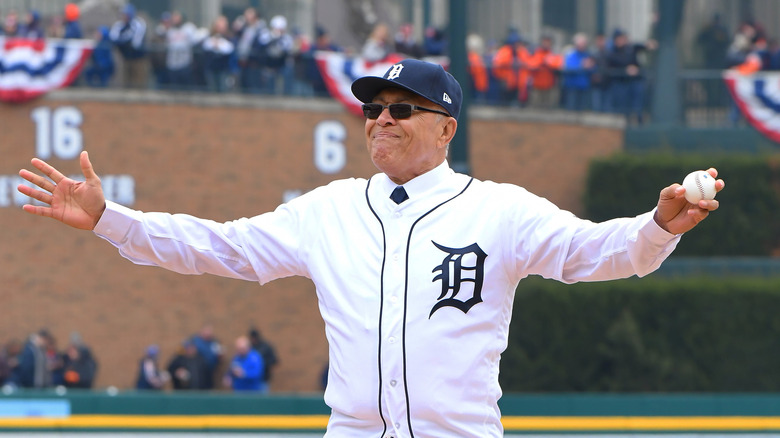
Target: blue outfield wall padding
column 30, row 407
column 182, row 403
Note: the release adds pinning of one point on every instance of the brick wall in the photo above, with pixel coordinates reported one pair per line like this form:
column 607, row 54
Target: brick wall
column 219, row 158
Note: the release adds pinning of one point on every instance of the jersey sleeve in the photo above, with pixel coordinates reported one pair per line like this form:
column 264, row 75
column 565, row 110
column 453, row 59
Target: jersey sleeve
column 618, row 248
column 261, row 248
column 556, row 244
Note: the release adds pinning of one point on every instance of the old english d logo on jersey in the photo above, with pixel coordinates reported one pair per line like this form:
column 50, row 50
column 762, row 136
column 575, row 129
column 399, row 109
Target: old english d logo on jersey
column 460, row 265
column 395, row 71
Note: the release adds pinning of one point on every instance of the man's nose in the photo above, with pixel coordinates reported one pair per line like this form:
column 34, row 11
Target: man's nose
column 385, row 118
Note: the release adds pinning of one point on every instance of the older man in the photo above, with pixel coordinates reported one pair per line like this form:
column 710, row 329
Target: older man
column 415, row 268
column 246, row 369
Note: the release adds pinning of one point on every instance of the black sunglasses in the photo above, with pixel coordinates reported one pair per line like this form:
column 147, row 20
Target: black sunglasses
column 397, row 110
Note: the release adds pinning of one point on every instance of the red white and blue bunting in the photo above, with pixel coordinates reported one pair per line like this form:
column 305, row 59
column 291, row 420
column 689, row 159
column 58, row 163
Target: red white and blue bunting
column 340, row 70
column 30, row 68
column 757, row 96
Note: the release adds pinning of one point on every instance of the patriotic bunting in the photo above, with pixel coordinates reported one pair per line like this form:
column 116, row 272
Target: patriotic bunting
column 340, row 70
column 758, row 97
column 30, row 68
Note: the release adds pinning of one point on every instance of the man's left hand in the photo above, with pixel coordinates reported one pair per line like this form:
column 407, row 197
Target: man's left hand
column 676, row 215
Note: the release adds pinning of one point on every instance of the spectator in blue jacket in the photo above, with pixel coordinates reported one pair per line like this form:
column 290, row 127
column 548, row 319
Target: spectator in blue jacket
column 246, row 369
column 210, row 349
column 32, row 370
column 217, row 50
column 101, row 67
column 578, row 66
column 129, row 34
column 32, row 28
column 313, row 74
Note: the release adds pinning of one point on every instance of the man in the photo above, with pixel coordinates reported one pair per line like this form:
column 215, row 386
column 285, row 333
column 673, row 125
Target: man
column 578, row 67
column 627, row 77
column 188, row 369
column 268, row 353
column 128, row 34
column 510, row 67
column 180, row 39
column 150, row 376
column 210, row 349
column 32, row 370
column 248, row 28
column 246, row 369
column 79, row 367
column 276, row 48
column 415, row 268
column 544, row 65
column 72, row 26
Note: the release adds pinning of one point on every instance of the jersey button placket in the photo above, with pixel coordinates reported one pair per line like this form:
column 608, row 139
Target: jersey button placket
column 394, row 279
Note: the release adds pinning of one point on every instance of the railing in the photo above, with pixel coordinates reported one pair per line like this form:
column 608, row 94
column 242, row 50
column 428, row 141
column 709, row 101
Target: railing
column 706, row 100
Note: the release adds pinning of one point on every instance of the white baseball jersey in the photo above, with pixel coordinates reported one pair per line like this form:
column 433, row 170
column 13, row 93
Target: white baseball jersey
column 416, row 297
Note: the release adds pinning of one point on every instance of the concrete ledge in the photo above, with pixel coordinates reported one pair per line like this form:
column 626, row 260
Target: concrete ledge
column 228, row 100
column 239, row 100
column 554, row 116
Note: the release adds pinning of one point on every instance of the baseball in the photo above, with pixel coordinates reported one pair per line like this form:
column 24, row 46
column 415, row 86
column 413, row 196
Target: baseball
column 699, row 185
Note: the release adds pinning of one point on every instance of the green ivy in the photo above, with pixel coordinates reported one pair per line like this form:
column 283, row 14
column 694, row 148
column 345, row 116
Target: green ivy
column 650, row 334
column 747, row 223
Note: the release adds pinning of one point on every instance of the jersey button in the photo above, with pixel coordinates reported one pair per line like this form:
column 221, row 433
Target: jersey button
column 393, row 383
column 391, row 339
column 397, row 425
column 394, row 299
column 397, row 214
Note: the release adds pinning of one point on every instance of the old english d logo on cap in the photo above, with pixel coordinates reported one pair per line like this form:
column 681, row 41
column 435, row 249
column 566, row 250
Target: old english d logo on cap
column 395, row 71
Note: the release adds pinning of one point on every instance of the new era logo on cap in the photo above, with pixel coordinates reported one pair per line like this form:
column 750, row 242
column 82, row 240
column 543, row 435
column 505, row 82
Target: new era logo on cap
column 425, row 79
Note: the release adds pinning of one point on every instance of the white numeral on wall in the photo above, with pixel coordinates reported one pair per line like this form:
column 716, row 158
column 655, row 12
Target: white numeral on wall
column 330, row 154
column 58, row 132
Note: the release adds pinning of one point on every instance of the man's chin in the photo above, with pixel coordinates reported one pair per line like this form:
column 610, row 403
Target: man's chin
column 382, row 162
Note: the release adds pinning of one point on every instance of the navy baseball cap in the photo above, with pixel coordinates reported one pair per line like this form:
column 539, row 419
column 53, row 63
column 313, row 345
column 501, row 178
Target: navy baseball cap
column 423, row 78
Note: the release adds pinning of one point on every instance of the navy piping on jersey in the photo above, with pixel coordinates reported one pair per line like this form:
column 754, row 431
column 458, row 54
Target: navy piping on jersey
column 381, row 307
column 406, row 294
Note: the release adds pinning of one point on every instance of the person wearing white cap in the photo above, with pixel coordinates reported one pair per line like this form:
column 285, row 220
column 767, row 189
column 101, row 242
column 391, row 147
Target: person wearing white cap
column 415, row 268
column 276, row 61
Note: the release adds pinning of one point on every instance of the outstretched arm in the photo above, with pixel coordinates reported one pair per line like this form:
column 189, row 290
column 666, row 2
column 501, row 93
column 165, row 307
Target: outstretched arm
column 76, row 203
column 676, row 215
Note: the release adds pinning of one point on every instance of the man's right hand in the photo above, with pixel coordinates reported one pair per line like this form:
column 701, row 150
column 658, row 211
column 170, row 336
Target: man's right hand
column 76, row 203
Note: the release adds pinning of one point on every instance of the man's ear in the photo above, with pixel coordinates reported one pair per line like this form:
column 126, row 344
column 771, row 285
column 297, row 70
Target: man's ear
column 448, row 131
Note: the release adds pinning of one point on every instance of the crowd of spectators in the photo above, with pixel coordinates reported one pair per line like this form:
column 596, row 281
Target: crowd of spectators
column 252, row 54
column 38, row 363
column 748, row 51
column 199, row 364
column 255, row 55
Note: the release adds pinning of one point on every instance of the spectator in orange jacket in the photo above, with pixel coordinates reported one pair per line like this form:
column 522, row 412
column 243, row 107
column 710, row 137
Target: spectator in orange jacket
column 477, row 69
column 510, row 68
column 544, row 65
